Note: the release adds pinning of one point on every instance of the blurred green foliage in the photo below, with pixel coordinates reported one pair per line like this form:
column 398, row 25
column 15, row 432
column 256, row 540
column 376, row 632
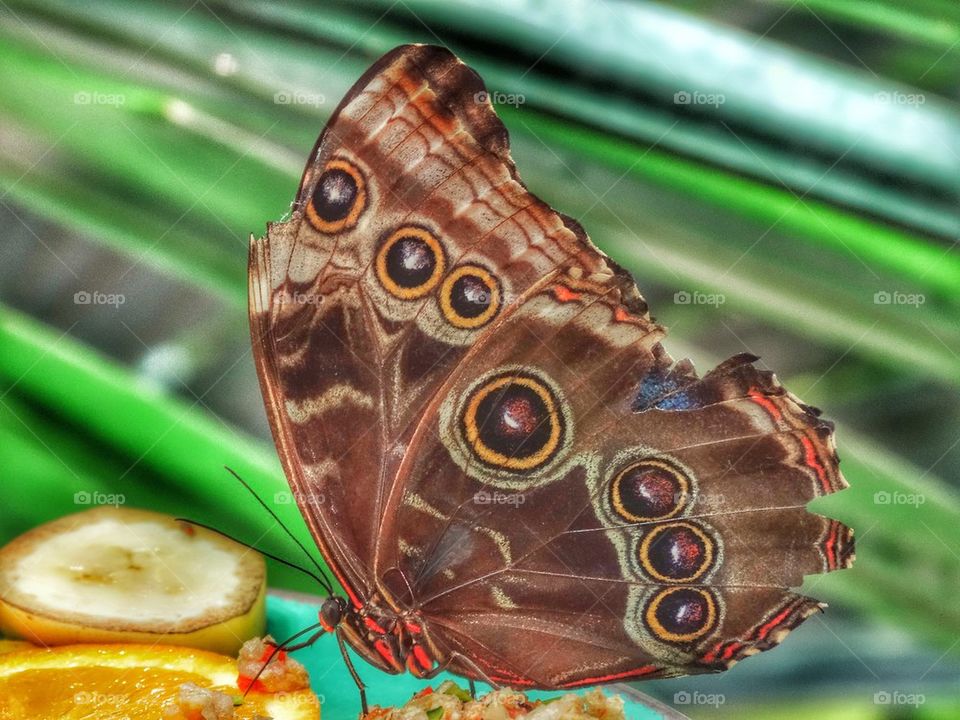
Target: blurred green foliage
column 799, row 160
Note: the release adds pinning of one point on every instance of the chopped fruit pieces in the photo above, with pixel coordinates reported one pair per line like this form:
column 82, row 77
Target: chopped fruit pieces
column 281, row 674
column 196, row 703
column 450, row 702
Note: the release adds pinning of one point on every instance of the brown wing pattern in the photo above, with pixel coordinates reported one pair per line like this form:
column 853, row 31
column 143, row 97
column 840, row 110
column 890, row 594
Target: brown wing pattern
column 407, row 206
column 481, row 424
column 672, row 503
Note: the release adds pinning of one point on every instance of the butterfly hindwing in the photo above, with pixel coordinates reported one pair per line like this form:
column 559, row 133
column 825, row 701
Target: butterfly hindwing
column 692, row 493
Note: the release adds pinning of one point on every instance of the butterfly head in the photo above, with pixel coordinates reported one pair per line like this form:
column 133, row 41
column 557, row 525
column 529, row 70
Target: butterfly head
column 332, row 612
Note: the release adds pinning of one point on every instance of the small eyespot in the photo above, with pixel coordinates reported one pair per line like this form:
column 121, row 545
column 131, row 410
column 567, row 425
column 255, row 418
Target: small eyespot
column 513, row 422
column 649, row 489
column 681, row 614
column 410, row 263
column 470, row 297
column 677, row 552
column 339, row 198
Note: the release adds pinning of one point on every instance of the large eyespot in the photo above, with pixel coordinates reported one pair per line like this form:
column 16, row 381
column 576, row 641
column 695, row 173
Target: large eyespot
column 338, row 199
column 677, row 552
column 410, row 263
column 681, row 615
column 470, row 297
column 649, row 489
column 513, row 421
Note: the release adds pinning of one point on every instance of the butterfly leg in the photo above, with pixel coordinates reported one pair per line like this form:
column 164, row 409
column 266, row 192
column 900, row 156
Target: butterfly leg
column 305, row 643
column 477, row 670
column 353, row 672
column 442, row 668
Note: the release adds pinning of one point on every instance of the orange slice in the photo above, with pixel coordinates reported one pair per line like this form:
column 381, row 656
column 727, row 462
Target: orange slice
column 128, row 681
column 13, row 645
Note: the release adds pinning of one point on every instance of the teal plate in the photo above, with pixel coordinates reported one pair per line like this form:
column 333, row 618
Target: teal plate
column 337, row 692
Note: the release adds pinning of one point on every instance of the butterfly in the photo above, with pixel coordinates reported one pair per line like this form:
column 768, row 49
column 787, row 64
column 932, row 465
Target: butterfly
column 509, row 476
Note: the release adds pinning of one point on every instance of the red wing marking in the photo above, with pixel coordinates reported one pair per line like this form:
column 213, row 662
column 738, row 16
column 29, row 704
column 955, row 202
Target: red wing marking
column 565, row 294
column 506, row 677
column 836, row 552
column 387, row 654
column 373, row 625
column 728, row 650
column 638, row 672
column 812, row 460
column 766, row 403
column 767, row 627
column 422, row 658
column 353, row 598
column 411, row 666
column 512, row 681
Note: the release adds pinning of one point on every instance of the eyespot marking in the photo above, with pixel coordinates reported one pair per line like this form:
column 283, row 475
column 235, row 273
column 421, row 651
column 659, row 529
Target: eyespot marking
column 681, row 614
column 339, row 198
column 470, row 297
column 677, row 552
column 649, row 489
column 410, row 262
column 513, row 421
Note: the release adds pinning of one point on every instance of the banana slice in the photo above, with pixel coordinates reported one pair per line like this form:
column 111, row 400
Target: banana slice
column 124, row 575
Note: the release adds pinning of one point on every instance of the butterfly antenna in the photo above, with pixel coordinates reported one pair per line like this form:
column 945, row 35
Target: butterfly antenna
column 322, row 580
column 279, row 522
column 283, row 646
